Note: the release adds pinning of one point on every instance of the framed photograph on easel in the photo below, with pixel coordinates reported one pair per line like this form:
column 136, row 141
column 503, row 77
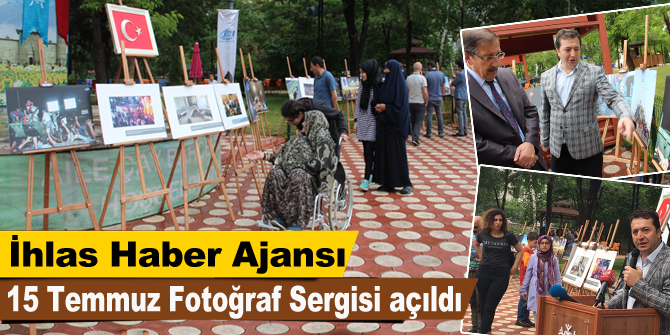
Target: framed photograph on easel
column 192, row 110
column 49, row 117
column 130, row 113
column 231, row 105
column 578, row 268
column 133, row 27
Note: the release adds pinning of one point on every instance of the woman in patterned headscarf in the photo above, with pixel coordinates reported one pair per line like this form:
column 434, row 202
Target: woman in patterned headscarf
column 541, row 274
column 303, row 168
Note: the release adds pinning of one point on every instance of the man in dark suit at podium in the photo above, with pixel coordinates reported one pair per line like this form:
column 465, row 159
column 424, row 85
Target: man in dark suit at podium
column 650, row 282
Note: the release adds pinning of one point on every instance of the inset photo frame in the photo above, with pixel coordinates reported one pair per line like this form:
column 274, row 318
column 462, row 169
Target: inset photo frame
column 192, row 110
column 579, row 267
column 130, row 113
column 603, row 260
column 306, row 87
column 133, row 27
column 231, row 105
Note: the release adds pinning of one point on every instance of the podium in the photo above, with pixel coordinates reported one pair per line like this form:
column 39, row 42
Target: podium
column 564, row 317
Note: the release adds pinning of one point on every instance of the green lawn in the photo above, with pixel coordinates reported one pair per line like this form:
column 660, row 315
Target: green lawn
column 661, row 73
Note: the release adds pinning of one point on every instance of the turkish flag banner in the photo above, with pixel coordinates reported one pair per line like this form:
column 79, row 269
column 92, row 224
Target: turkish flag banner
column 663, row 210
column 132, row 26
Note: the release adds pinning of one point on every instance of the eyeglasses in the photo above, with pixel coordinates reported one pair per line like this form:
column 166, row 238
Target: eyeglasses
column 498, row 56
column 545, row 243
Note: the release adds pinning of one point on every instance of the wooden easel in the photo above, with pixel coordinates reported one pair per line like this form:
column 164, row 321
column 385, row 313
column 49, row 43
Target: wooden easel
column 524, row 227
column 181, row 153
column 50, row 161
column 120, row 161
column 262, row 119
column 255, row 125
column 237, row 144
column 611, row 242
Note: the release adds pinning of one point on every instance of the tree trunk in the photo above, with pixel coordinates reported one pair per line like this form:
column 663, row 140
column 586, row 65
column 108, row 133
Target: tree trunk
column 408, row 53
column 550, row 192
column 99, row 56
column 356, row 41
column 504, row 197
column 444, row 37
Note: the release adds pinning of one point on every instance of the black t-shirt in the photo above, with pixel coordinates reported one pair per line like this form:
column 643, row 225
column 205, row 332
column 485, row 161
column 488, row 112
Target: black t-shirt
column 496, row 250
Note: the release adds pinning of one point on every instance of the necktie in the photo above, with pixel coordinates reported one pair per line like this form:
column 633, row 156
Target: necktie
column 506, row 111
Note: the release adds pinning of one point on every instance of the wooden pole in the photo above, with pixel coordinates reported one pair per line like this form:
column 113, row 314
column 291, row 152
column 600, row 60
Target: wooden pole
column 643, row 66
column 564, row 229
column 608, row 235
column 218, row 60
column 324, row 65
column 524, row 227
column 625, row 55
column 453, row 74
column 588, row 245
column 183, row 64
column 244, row 68
column 304, row 64
column 290, row 73
column 614, row 233
column 346, row 66
column 251, row 68
column 534, row 224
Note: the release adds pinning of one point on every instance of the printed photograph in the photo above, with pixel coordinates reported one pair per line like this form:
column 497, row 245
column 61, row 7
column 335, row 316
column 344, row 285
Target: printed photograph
column 599, row 265
column 579, row 266
column 192, row 110
column 131, row 111
column 44, row 118
column 309, row 89
column 231, row 105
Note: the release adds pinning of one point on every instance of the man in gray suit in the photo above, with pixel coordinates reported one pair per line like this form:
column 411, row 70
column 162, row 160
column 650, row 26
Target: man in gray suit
column 649, row 282
column 568, row 121
column 505, row 121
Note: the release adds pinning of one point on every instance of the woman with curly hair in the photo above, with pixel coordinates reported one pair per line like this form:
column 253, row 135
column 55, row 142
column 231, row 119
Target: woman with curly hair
column 493, row 244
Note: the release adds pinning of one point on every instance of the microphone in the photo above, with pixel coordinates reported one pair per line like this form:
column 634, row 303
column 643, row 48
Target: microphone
column 633, row 261
column 558, row 292
column 606, row 280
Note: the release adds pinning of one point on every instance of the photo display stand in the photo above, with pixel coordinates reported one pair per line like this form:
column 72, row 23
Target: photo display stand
column 350, row 104
column 254, row 124
column 635, row 162
column 120, row 161
column 51, row 162
column 235, row 161
column 264, row 134
column 181, row 155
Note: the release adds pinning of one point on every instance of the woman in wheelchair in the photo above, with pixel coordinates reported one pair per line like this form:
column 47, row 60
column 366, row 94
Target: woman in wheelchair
column 303, row 168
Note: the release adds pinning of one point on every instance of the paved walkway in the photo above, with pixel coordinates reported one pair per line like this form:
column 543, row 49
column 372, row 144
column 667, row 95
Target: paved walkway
column 425, row 234
column 503, row 324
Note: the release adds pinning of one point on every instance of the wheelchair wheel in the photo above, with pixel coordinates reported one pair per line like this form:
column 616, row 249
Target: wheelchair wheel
column 340, row 206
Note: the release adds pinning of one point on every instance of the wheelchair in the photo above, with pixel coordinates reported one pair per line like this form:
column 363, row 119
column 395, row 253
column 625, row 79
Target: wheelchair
column 332, row 209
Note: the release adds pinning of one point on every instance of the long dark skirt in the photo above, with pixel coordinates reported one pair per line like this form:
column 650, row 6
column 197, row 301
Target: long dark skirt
column 289, row 198
column 390, row 168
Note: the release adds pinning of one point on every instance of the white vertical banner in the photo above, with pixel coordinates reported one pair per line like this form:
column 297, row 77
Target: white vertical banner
column 227, row 42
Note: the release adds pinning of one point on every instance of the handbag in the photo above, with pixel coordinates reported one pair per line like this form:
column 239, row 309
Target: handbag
column 511, row 258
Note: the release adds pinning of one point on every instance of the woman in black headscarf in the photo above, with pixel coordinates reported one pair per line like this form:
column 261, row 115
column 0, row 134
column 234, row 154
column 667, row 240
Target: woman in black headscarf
column 365, row 123
column 392, row 110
